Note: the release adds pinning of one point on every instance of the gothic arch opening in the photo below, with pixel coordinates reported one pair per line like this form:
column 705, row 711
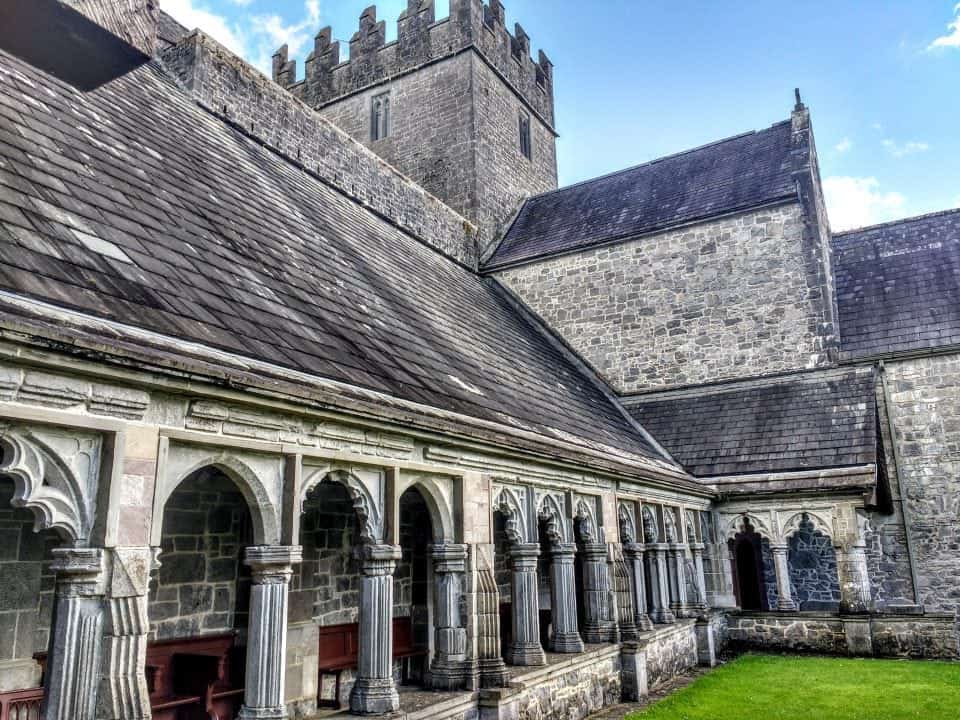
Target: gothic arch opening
column 501, row 573
column 199, row 600
column 746, row 554
column 412, row 598
column 544, row 597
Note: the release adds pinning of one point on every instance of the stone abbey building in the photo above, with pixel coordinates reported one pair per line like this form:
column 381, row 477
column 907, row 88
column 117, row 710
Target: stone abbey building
column 316, row 391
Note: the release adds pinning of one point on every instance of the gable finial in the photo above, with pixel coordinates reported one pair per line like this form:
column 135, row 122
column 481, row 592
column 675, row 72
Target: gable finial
column 799, row 104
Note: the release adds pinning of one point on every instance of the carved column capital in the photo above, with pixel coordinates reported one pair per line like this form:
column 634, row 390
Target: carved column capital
column 523, row 556
column 79, row 570
column 449, row 558
column 377, row 560
column 563, row 552
column 272, row 564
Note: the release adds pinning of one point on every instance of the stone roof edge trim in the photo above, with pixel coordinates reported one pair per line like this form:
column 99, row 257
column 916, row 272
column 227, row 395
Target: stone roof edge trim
column 727, row 386
column 853, row 479
column 57, row 327
column 630, row 237
column 849, row 358
column 234, row 92
column 894, row 223
column 433, row 61
column 580, row 363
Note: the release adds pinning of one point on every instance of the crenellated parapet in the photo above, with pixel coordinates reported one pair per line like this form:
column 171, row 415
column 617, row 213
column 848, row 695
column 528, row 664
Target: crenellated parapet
column 421, row 40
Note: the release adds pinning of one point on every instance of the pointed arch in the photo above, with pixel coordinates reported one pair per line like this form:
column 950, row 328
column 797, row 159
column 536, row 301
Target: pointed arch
column 651, row 531
column 550, row 512
column 736, row 525
column 441, row 515
column 820, row 524
column 369, row 517
column 587, row 527
column 510, row 506
column 627, row 524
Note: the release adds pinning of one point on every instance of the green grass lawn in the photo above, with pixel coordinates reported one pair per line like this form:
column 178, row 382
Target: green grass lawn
column 772, row 687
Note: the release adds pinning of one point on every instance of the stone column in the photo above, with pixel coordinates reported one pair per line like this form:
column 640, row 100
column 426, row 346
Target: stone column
column 854, row 578
column 659, row 584
column 678, row 582
column 784, row 593
column 77, row 634
column 597, row 622
column 633, row 552
column 374, row 692
column 448, row 670
column 696, row 549
column 271, row 567
column 525, row 606
column 563, row 600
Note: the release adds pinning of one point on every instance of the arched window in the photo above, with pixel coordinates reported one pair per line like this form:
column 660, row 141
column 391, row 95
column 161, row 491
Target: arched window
column 380, row 116
column 525, row 145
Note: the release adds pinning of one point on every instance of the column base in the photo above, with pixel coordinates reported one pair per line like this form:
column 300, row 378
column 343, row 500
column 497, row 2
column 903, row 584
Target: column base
column 526, row 654
column 629, row 632
column 644, row 624
column 493, row 672
column 374, row 696
column 786, row 605
column 594, row 632
column 663, row 617
column 449, row 675
column 566, row 643
column 263, row 713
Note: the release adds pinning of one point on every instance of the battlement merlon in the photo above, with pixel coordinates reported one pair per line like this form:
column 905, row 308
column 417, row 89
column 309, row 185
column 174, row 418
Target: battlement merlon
column 421, row 40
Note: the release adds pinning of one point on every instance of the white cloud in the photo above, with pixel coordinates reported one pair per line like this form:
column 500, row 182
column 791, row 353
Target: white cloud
column 844, row 145
column 902, row 149
column 858, row 201
column 253, row 37
column 193, row 14
column 952, row 38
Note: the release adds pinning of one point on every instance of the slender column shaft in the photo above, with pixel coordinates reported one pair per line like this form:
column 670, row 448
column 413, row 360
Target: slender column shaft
column 525, row 648
column 781, row 568
column 678, row 581
column 700, row 602
column 448, row 670
column 852, row 572
column 660, row 589
column 71, row 684
column 634, row 556
column 374, row 692
column 271, row 567
column 623, row 586
column 565, row 637
column 598, row 623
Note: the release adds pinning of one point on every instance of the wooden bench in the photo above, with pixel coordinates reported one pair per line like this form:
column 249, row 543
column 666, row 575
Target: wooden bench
column 195, row 678
column 25, row 704
column 339, row 646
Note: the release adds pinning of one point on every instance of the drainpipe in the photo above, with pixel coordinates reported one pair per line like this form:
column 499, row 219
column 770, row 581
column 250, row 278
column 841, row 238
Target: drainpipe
column 904, row 512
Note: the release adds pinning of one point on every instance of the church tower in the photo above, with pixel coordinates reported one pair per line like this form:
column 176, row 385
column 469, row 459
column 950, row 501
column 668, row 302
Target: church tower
column 458, row 104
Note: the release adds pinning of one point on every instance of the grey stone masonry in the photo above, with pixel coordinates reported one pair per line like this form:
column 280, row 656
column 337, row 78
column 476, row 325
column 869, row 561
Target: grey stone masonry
column 374, row 691
column 525, row 647
column 272, row 567
column 565, row 636
column 598, row 622
column 449, row 669
column 229, row 88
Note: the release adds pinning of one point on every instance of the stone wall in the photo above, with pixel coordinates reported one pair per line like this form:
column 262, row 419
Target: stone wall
column 729, row 298
column 813, row 570
column 670, row 650
column 202, row 586
column 925, row 396
column 228, row 87
column 26, row 592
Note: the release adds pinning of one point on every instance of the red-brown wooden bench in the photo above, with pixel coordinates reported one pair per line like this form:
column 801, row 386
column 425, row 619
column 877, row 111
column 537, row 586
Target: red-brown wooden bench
column 195, row 678
column 339, row 646
column 25, row 704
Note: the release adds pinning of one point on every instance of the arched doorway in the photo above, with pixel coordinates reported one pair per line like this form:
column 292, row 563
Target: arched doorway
column 502, row 576
column 200, row 598
column 412, row 602
column 747, row 559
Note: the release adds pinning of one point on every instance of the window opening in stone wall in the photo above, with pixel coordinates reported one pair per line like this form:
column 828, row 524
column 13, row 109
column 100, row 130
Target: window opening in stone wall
column 380, row 116
column 525, row 145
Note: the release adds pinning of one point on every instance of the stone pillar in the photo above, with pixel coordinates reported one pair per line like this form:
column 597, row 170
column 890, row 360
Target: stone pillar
column 633, row 552
column 700, row 604
column 525, row 606
column 123, row 693
column 784, row 593
column 598, row 625
column 852, row 572
column 633, row 669
column 659, row 584
column 678, row 583
column 565, row 636
column 77, row 634
column 374, row 692
column 449, row 671
column 271, row 567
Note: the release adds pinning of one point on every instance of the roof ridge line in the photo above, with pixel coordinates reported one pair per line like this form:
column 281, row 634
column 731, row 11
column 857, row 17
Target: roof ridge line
column 901, row 221
column 662, row 158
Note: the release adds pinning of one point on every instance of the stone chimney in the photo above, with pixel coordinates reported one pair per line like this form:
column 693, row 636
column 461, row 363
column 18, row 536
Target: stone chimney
column 133, row 21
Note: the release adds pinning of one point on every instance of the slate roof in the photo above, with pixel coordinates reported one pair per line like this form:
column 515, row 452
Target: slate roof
column 821, row 421
column 898, row 285
column 734, row 174
column 131, row 203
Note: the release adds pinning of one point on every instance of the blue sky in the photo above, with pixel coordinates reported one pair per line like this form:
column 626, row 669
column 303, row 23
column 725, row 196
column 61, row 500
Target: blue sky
column 636, row 80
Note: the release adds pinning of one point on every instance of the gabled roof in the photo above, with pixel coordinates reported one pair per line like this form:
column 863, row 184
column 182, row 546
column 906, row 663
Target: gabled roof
column 898, row 285
column 826, row 420
column 736, row 174
column 131, row 203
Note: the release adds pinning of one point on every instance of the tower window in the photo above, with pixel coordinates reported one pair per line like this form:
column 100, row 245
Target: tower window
column 380, row 116
column 525, row 145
